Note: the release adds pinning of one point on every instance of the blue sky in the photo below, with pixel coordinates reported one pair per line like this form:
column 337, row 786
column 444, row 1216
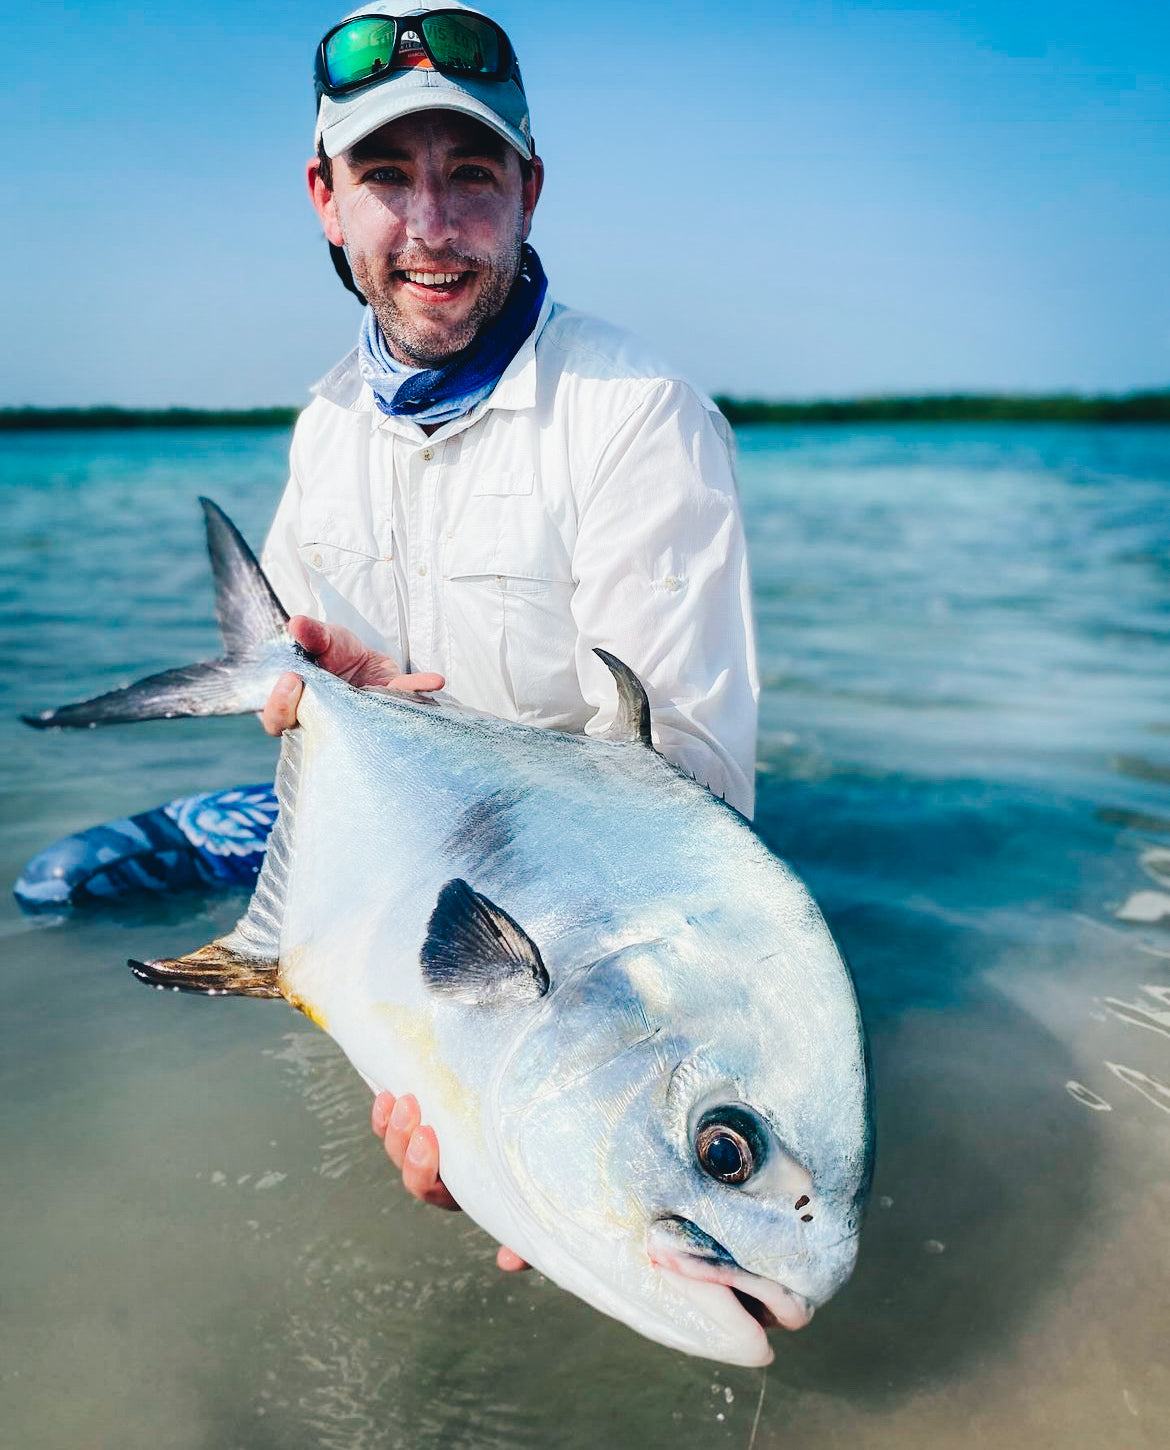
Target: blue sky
column 789, row 200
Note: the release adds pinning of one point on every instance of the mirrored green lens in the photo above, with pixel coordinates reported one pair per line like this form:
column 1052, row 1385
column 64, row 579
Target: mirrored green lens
column 359, row 50
column 462, row 43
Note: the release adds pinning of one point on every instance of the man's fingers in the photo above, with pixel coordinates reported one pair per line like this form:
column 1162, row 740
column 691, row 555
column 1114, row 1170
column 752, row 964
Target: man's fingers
column 418, row 684
column 420, row 1170
column 403, row 1120
column 342, row 653
column 420, row 1167
column 380, row 1110
column 337, row 649
column 309, row 633
column 509, row 1261
column 280, row 710
column 412, row 1148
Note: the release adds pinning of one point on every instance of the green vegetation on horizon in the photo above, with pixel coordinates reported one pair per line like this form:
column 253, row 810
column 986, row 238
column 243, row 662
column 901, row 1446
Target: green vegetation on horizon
column 1144, row 407
column 14, row 420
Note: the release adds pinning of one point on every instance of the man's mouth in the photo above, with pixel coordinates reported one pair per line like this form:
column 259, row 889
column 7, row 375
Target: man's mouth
column 435, row 281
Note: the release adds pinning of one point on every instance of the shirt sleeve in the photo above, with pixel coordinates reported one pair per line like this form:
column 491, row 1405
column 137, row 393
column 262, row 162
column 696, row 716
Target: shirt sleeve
column 661, row 574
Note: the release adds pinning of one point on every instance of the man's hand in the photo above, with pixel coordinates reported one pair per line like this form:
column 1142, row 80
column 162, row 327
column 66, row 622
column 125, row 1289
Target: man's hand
column 339, row 651
column 413, row 1148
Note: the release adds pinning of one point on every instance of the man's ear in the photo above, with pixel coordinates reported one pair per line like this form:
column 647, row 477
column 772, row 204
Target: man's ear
column 530, row 195
column 324, row 203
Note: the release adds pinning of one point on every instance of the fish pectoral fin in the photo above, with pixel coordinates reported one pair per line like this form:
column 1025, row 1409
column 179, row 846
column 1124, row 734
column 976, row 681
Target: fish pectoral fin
column 216, row 970
column 477, row 954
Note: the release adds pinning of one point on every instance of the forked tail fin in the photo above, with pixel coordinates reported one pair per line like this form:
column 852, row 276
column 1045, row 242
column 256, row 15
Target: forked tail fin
column 251, row 620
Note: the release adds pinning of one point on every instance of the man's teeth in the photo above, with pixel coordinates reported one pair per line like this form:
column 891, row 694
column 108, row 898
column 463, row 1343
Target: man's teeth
column 434, row 279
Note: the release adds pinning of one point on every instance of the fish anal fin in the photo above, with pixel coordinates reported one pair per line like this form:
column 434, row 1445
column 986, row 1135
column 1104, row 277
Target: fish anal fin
column 475, row 953
column 244, row 963
column 216, row 970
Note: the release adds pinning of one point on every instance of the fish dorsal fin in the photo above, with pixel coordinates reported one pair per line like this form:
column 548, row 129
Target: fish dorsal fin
column 216, row 970
column 631, row 724
column 477, row 954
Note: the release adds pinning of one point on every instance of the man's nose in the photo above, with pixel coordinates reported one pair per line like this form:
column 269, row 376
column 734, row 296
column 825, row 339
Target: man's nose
column 430, row 218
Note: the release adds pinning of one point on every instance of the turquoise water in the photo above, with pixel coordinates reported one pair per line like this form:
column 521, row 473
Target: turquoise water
column 965, row 640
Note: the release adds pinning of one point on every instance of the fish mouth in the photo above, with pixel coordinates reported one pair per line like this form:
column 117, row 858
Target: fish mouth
column 745, row 1304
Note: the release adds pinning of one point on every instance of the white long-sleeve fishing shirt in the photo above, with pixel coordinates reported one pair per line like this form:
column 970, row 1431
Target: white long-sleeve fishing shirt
column 589, row 500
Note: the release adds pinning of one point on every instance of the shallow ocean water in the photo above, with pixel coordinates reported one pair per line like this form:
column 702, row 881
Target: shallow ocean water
column 965, row 645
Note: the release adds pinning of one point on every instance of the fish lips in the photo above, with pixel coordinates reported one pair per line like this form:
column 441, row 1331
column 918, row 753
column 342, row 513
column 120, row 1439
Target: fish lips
column 743, row 1304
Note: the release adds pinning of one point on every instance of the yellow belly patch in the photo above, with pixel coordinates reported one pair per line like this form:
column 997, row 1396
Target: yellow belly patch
column 414, row 1030
column 314, row 1014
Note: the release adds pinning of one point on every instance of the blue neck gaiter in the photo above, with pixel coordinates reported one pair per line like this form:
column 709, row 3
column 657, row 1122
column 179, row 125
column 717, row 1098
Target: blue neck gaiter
column 436, row 395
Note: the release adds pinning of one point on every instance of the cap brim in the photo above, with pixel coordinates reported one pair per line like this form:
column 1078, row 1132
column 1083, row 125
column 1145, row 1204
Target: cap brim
column 382, row 104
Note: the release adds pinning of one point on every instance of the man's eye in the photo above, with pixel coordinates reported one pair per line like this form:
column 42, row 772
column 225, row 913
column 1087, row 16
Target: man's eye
column 384, row 176
column 473, row 173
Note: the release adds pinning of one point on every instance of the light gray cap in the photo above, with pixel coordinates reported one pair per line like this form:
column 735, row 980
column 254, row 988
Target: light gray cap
column 501, row 105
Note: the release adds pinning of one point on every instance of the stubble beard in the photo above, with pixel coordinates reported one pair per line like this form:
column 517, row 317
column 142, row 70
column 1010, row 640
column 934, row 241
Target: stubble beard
column 415, row 342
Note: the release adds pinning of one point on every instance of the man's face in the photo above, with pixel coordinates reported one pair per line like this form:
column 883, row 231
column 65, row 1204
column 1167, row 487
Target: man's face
column 431, row 210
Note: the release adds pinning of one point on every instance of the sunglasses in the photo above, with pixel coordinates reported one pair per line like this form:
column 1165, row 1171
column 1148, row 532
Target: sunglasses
column 360, row 51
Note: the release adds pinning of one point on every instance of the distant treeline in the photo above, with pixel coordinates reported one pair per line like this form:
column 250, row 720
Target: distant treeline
column 1152, row 407
column 22, row 419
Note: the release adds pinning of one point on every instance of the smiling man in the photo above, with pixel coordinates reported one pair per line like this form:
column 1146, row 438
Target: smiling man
column 491, row 485
column 432, row 211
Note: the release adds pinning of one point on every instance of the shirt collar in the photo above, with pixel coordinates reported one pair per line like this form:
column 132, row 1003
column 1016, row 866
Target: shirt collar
column 516, row 388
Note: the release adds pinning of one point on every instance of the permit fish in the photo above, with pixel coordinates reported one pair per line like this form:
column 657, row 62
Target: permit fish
column 625, row 1018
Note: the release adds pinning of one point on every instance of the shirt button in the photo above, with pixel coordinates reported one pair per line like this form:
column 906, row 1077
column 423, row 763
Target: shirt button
column 670, row 583
column 427, row 454
column 422, row 571
column 317, row 561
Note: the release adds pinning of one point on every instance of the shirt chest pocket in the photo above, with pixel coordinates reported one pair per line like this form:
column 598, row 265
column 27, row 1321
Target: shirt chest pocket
column 356, row 590
column 508, row 603
column 505, row 485
column 507, row 535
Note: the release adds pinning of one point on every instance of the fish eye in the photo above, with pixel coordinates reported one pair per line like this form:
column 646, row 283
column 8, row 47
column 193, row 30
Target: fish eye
column 729, row 1144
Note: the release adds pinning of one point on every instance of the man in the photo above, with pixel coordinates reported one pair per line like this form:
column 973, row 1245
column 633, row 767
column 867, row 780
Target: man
column 491, row 485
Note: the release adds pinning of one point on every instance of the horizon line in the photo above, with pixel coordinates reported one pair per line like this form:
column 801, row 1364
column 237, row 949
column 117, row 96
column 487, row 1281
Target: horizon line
column 1147, row 405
